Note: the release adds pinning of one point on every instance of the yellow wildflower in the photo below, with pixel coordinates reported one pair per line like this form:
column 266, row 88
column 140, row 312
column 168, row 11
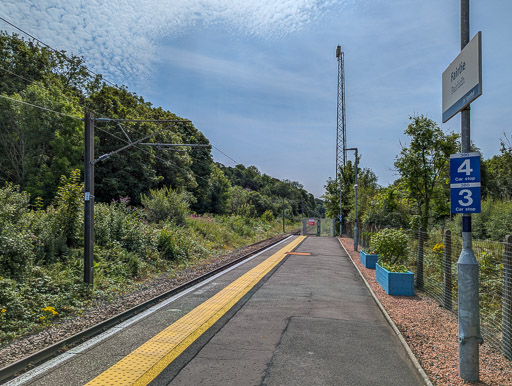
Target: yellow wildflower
column 3, row 310
column 439, row 247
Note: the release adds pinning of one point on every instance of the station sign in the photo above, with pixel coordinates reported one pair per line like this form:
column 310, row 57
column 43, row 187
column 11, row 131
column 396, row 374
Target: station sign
column 465, row 183
column 462, row 80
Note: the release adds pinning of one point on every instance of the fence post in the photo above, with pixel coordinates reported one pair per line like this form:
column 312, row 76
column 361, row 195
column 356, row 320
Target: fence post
column 419, row 266
column 507, row 299
column 447, row 278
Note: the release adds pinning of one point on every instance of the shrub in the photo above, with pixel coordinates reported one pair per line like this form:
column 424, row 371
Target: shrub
column 16, row 239
column 69, row 205
column 267, row 216
column 174, row 244
column 166, row 204
column 392, row 246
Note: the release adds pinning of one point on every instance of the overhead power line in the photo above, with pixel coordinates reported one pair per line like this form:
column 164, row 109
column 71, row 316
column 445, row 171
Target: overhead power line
column 215, row 147
column 151, row 153
column 57, row 52
column 141, row 120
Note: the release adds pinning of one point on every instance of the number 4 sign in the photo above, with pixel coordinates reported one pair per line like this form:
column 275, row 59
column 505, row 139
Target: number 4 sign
column 465, row 182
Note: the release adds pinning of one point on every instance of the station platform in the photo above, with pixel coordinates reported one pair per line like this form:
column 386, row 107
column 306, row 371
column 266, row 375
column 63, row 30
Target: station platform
column 300, row 319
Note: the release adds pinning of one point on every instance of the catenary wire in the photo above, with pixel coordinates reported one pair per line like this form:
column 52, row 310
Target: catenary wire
column 236, row 163
column 150, row 153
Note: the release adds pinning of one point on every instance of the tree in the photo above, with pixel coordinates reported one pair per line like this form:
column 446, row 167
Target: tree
column 499, row 173
column 218, row 192
column 424, row 167
column 367, row 185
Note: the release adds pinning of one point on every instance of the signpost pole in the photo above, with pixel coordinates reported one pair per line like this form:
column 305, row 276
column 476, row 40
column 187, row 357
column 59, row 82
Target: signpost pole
column 467, row 265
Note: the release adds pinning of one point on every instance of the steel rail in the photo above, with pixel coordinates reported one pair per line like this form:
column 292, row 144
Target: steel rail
column 33, row 360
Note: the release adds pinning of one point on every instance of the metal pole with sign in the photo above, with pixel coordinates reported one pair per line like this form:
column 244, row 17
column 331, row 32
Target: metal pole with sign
column 462, row 84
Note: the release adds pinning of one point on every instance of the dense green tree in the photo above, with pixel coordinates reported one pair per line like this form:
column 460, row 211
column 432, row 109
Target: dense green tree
column 389, row 207
column 424, row 168
column 218, row 192
column 499, row 172
column 39, row 146
column 367, row 185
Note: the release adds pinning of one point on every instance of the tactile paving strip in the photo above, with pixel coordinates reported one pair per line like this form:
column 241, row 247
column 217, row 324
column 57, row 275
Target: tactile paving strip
column 143, row 364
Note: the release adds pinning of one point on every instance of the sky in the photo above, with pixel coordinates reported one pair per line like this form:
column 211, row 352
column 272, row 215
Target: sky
column 259, row 78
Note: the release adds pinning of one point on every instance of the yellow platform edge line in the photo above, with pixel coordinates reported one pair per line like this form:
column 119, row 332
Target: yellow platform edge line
column 130, row 371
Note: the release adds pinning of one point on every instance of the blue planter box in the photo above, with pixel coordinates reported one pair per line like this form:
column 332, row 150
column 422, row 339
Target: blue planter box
column 395, row 283
column 368, row 260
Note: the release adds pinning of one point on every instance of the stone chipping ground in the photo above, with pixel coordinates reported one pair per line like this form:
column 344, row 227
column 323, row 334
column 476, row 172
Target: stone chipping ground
column 432, row 334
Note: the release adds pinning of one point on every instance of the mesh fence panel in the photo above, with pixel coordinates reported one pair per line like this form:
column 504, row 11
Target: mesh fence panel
column 440, row 274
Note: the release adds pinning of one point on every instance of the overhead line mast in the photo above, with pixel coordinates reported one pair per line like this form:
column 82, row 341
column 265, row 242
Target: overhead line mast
column 341, row 136
column 341, row 133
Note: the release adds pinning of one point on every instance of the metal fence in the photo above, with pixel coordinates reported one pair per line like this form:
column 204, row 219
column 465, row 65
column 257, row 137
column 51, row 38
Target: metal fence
column 318, row 227
column 433, row 258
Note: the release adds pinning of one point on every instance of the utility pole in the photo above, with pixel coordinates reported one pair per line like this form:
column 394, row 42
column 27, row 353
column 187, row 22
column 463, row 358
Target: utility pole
column 341, row 140
column 89, row 163
column 283, row 215
column 89, row 199
column 356, row 244
column 467, row 265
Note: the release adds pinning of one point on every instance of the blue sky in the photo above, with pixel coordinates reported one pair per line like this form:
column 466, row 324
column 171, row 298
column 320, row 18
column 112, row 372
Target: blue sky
column 259, row 78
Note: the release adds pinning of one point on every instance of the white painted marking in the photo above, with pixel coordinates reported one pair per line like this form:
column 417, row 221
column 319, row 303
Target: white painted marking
column 38, row 371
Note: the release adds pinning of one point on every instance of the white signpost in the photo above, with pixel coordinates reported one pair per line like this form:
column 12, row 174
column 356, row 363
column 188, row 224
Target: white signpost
column 462, row 80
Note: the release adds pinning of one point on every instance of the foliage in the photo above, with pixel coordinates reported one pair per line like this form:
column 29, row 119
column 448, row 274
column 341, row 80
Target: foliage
column 218, row 191
column 267, row 216
column 499, row 173
column 367, row 187
column 493, row 223
column 262, row 192
column 424, row 168
column 166, row 204
column 388, row 207
column 16, row 241
column 400, row 268
column 42, row 276
column 392, row 245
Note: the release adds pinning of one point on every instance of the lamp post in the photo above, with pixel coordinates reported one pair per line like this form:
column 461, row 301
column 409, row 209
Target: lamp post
column 355, row 199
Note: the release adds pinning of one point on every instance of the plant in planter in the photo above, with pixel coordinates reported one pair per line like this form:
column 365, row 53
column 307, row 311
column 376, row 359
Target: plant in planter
column 391, row 272
column 369, row 258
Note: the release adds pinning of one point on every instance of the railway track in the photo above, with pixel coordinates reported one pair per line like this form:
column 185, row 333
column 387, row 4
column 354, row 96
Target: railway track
column 20, row 366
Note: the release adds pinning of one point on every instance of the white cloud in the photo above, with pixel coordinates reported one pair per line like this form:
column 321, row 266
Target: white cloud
column 128, row 30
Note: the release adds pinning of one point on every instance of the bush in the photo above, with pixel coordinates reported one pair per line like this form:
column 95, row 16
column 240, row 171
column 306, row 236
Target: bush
column 174, row 245
column 166, row 204
column 392, row 245
column 267, row 216
column 16, row 238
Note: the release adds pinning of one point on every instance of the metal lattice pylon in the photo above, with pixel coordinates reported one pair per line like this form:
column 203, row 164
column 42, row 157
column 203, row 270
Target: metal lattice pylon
column 341, row 137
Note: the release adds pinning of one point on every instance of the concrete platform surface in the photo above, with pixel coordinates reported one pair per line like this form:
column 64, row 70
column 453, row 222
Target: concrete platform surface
column 313, row 322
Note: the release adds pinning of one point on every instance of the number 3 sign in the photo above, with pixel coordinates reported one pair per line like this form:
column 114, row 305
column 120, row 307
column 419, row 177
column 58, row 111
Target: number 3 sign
column 465, row 183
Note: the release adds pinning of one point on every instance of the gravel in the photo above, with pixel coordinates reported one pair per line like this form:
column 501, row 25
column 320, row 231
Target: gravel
column 25, row 346
column 432, row 334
